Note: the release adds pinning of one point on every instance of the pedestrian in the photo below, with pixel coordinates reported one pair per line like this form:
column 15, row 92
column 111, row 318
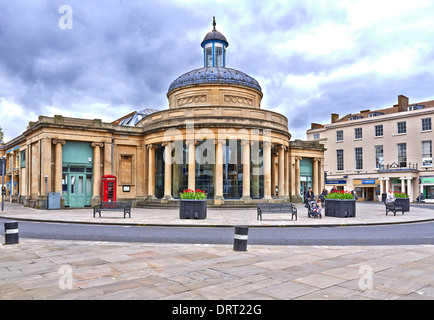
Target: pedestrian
column 390, row 196
column 309, row 196
column 319, row 204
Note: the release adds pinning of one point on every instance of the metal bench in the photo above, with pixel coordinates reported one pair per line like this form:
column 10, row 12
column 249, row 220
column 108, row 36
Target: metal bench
column 113, row 206
column 265, row 208
column 393, row 207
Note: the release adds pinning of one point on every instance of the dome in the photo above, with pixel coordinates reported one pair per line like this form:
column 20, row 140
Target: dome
column 217, row 75
column 215, row 35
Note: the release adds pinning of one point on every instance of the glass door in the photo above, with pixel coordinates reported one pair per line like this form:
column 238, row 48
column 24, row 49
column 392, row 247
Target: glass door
column 77, row 193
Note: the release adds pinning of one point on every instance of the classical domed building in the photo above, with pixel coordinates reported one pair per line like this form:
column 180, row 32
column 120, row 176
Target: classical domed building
column 214, row 136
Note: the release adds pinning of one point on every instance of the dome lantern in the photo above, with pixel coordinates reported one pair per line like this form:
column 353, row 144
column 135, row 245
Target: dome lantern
column 214, row 48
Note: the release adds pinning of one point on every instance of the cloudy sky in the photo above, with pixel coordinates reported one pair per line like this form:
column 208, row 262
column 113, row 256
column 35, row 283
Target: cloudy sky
column 312, row 58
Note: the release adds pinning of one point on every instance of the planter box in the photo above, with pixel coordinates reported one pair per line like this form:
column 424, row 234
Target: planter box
column 192, row 209
column 404, row 202
column 340, row 208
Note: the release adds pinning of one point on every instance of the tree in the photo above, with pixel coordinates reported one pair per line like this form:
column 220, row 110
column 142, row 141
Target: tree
column 1, row 135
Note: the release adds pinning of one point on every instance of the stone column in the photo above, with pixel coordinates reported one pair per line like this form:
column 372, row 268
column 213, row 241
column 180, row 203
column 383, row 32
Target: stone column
column 151, row 172
column 58, row 161
column 167, row 171
column 267, row 170
column 402, row 184
column 410, row 188
column 387, row 184
column 246, row 170
column 281, row 171
column 321, row 175
column 381, row 186
column 273, row 174
column 218, row 196
column 96, row 197
column 255, row 169
column 293, row 188
column 286, row 194
column 45, row 166
column 297, row 176
column 191, row 165
column 315, row 176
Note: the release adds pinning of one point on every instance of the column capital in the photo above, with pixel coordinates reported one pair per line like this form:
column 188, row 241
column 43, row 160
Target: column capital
column 245, row 142
column 281, row 147
column 150, row 146
column 56, row 141
column 97, row 144
column 193, row 142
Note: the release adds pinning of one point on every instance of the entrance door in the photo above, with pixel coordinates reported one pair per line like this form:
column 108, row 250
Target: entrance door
column 77, row 191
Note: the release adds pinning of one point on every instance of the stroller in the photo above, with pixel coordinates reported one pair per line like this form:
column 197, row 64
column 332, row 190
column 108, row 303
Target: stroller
column 313, row 210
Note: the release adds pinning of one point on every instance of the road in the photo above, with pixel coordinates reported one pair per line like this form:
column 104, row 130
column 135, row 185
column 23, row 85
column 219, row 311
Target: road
column 407, row 234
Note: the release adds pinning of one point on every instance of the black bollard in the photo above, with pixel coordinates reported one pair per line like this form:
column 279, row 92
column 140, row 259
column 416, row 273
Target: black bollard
column 11, row 232
column 240, row 238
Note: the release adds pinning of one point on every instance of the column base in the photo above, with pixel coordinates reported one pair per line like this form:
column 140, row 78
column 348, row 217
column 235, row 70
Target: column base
column 246, row 198
column 219, row 200
column 151, row 197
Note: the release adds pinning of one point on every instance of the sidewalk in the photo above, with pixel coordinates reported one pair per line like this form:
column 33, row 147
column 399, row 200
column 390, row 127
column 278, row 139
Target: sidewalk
column 60, row 269
column 47, row 269
column 366, row 214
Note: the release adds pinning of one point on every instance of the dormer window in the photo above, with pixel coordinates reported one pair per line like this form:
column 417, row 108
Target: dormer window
column 375, row 114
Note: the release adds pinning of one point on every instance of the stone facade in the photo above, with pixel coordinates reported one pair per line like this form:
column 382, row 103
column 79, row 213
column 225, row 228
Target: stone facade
column 393, row 147
column 214, row 137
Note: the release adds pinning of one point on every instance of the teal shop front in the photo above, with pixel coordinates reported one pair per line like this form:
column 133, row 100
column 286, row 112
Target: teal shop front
column 305, row 175
column 77, row 174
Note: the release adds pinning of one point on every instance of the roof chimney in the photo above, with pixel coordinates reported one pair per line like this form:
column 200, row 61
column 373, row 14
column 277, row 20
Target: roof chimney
column 335, row 117
column 402, row 103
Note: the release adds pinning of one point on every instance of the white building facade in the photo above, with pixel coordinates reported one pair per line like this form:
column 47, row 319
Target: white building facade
column 374, row 151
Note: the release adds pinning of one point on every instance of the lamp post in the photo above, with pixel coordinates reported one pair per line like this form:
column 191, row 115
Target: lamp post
column 3, row 173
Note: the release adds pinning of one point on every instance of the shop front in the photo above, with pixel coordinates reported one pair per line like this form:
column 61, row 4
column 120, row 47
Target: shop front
column 427, row 188
column 367, row 189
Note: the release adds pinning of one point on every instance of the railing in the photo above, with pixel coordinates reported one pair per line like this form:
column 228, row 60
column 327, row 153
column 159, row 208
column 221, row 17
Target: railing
column 399, row 165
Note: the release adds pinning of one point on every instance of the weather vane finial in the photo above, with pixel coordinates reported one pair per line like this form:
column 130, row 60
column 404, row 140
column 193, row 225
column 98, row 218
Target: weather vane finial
column 213, row 23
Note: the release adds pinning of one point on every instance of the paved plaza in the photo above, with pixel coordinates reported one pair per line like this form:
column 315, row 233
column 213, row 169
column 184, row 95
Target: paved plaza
column 60, row 269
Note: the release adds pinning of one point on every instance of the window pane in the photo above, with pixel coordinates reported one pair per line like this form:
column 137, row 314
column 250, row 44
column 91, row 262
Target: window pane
column 379, row 130
column 80, row 184
column 427, row 153
column 379, row 157
column 73, row 184
column 426, row 124
column 219, row 57
column 402, row 154
column 209, row 57
column 402, row 127
column 339, row 160
column 359, row 158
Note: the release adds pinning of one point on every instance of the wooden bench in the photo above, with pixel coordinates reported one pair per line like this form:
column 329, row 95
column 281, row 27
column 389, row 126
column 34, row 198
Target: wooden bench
column 265, row 208
column 393, row 207
column 113, row 206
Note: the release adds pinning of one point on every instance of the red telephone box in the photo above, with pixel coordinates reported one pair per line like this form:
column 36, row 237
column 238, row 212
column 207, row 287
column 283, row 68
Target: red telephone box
column 108, row 188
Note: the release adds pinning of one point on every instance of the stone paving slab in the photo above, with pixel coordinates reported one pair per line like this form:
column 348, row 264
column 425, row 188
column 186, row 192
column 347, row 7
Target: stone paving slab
column 367, row 213
column 42, row 269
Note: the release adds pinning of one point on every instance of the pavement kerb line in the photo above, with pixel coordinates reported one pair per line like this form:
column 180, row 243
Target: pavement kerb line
column 219, row 225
